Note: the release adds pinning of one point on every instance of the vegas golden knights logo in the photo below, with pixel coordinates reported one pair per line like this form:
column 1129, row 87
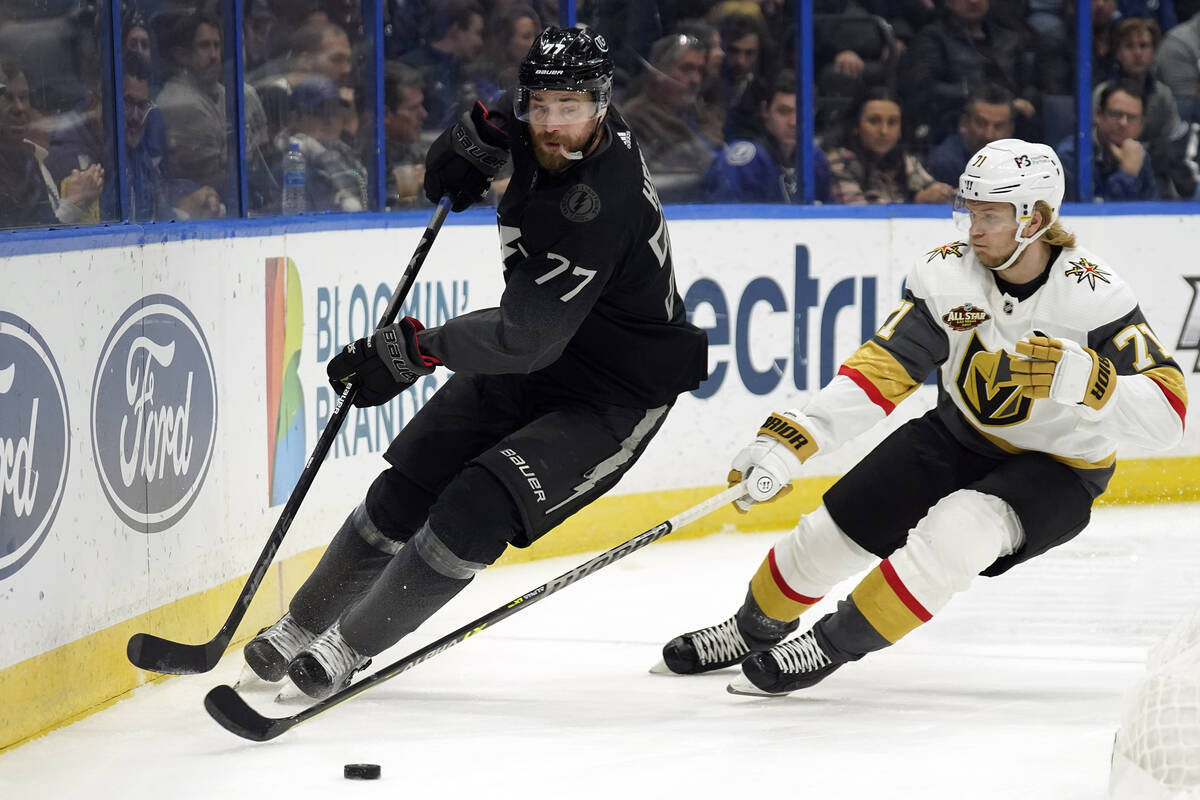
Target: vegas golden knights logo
column 985, row 383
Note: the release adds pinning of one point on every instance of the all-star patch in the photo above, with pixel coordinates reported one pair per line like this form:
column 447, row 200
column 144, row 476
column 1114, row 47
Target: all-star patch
column 1084, row 270
column 965, row 317
column 580, row 203
column 946, row 250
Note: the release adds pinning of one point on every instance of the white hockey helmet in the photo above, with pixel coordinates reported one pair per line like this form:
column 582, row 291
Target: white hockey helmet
column 1016, row 172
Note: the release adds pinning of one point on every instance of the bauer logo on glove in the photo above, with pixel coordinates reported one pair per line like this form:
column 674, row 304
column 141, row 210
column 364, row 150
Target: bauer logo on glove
column 382, row 365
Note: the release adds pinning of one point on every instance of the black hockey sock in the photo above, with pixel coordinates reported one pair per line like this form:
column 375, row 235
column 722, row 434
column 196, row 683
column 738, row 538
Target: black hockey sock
column 422, row 578
column 352, row 562
column 759, row 630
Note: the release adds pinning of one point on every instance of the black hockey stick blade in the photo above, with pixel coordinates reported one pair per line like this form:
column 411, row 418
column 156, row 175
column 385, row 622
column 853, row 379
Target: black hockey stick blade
column 176, row 658
column 227, row 707
column 150, row 652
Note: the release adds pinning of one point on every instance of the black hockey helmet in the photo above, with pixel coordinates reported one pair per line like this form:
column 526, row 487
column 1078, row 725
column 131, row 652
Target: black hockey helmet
column 568, row 60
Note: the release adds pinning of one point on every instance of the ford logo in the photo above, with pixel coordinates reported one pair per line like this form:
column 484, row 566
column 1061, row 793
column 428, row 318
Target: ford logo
column 35, row 435
column 154, row 413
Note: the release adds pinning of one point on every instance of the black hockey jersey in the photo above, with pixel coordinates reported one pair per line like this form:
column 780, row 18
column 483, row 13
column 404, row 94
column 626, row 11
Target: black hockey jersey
column 590, row 304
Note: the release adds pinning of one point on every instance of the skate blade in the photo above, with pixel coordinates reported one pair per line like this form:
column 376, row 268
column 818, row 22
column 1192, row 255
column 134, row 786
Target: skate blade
column 290, row 694
column 661, row 668
column 248, row 680
column 741, row 685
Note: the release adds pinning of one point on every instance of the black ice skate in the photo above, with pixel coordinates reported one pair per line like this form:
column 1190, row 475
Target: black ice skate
column 795, row 664
column 716, row 647
column 326, row 665
column 270, row 652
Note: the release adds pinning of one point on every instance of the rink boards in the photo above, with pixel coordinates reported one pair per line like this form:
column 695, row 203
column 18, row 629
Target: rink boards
column 159, row 394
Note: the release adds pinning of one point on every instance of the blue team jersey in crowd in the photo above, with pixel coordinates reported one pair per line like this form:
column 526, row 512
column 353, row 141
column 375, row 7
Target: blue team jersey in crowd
column 746, row 171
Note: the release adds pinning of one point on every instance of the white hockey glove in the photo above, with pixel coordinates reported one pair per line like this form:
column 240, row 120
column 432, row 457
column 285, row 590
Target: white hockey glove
column 1063, row 370
column 768, row 462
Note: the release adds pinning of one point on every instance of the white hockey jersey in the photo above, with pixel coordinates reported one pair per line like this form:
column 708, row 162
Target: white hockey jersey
column 956, row 319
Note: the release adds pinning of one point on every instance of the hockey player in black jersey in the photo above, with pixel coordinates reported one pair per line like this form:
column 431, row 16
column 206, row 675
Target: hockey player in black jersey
column 1046, row 365
column 555, row 394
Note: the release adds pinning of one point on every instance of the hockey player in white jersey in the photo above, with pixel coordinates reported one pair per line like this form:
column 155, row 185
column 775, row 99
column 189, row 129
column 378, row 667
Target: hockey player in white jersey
column 1046, row 367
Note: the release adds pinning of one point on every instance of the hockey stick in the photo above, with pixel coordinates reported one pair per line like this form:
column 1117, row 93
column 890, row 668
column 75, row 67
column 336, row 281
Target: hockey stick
column 228, row 708
column 150, row 652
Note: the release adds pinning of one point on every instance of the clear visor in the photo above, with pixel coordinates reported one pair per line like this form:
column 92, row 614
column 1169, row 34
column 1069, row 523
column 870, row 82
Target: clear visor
column 984, row 218
column 555, row 107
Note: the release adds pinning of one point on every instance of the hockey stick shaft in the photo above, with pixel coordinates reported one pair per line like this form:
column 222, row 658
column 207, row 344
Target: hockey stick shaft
column 228, row 708
column 163, row 655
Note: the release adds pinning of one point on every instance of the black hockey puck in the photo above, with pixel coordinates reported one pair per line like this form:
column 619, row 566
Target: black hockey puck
column 361, row 772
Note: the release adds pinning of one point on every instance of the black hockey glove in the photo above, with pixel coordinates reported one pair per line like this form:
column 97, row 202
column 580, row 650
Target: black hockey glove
column 382, row 365
column 464, row 159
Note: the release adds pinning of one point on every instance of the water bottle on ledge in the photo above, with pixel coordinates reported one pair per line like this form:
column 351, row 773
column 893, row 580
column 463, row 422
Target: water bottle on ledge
column 295, row 177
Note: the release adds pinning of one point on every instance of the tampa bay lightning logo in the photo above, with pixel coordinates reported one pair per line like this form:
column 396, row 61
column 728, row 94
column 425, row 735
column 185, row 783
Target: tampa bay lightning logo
column 154, row 413
column 35, row 438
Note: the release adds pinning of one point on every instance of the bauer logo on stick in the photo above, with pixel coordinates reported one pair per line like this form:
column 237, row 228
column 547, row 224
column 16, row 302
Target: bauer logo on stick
column 35, row 435
column 154, row 413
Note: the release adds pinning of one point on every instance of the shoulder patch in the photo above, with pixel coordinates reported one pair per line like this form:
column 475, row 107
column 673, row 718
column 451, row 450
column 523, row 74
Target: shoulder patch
column 946, row 250
column 965, row 317
column 1084, row 270
column 580, row 203
column 739, row 154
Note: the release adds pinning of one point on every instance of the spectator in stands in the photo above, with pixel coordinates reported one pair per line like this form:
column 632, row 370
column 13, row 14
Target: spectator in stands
column 1104, row 22
column 1178, row 64
column 336, row 179
column 988, row 116
column 663, row 116
column 137, row 35
column 453, row 38
column 25, row 195
column 402, row 26
column 955, row 52
column 1121, row 168
column 145, row 190
column 1163, row 133
column 258, row 30
column 509, row 35
column 1162, row 12
column 318, row 47
column 193, row 105
column 710, row 102
column 853, row 50
column 403, row 117
column 76, row 163
column 747, row 65
column 139, row 40
column 763, row 170
column 870, row 166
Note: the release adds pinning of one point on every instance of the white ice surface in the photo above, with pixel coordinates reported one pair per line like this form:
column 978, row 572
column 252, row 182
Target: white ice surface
column 1013, row 691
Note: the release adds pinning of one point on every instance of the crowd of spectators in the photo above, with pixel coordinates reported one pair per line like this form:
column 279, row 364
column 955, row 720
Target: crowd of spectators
column 905, row 91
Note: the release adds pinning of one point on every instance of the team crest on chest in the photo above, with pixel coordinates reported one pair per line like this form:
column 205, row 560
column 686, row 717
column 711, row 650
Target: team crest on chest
column 985, row 384
column 946, row 250
column 580, row 203
column 1084, row 270
column 965, row 317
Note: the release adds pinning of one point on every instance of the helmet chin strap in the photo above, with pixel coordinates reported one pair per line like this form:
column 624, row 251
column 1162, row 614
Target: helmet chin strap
column 577, row 155
column 1021, row 245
